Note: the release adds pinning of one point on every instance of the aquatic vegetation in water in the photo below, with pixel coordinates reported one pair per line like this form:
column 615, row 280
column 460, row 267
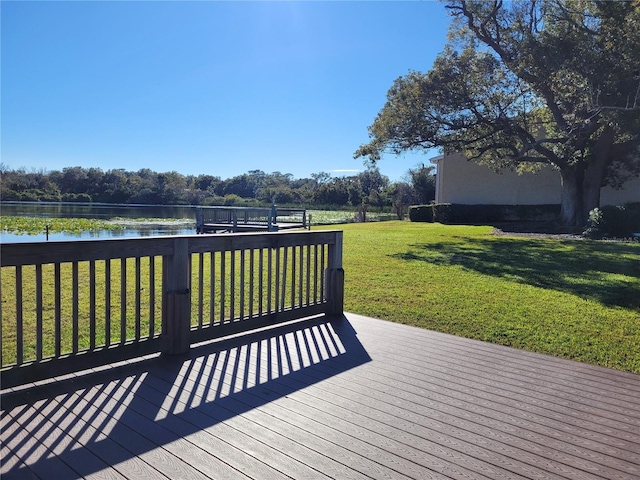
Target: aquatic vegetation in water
column 39, row 225
column 26, row 225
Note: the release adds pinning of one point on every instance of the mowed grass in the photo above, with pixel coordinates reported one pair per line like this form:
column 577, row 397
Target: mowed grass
column 575, row 299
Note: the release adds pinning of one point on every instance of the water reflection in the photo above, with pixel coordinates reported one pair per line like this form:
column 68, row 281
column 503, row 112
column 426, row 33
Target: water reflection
column 104, row 211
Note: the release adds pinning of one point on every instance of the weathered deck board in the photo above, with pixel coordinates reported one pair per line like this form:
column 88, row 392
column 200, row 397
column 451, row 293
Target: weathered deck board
column 353, row 398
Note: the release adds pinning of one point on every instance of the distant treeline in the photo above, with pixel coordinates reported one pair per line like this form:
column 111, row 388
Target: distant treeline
column 78, row 184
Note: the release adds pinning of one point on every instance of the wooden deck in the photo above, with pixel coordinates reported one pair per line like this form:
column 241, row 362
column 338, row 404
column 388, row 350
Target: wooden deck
column 348, row 398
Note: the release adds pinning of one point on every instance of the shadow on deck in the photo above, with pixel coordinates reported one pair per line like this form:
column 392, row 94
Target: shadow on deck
column 114, row 416
column 350, row 397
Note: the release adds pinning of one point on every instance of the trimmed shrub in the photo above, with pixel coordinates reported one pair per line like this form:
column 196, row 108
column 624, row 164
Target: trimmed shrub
column 475, row 214
column 421, row 213
column 457, row 213
column 444, row 213
column 433, row 212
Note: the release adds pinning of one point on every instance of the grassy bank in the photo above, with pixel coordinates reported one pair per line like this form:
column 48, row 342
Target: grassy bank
column 572, row 299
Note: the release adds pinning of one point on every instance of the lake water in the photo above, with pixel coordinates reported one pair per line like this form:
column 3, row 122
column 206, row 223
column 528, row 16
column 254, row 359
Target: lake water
column 184, row 213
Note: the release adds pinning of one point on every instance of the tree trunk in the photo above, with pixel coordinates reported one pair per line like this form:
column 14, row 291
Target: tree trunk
column 592, row 185
column 590, row 199
column 581, row 183
column 596, row 171
column 571, row 197
column 580, row 192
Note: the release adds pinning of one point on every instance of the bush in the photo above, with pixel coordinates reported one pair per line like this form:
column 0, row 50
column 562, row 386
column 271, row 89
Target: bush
column 456, row 213
column 76, row 197
column 421, row 213
column 434, row 212
column 443, row 213
column 10, row 195
column 487, row 214
column 613, row 221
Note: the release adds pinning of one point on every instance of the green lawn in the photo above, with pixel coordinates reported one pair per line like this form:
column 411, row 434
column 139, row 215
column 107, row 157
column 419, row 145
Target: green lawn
column 576, row 299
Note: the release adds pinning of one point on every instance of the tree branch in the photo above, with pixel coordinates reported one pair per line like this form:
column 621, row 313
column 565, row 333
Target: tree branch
column 635, row 108
column 483, row 35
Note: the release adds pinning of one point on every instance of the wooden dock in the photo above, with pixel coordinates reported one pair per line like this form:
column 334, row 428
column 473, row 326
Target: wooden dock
column 342, row 398
column 249, row 219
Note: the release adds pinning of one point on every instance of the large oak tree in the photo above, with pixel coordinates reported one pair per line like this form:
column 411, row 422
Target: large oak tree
column 526, row 83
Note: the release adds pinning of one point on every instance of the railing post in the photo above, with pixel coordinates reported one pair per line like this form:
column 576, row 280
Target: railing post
column 176, row 310
column 199, row 219
column 335, row 278
column 273, row 222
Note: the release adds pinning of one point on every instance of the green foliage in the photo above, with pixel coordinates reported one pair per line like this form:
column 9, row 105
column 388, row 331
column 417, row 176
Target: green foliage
column 255, row 188
column 76, row 197
column 613, row 221
column 423, row 181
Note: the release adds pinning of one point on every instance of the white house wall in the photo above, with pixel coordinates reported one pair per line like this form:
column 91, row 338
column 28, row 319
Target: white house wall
column 630, row 193
column 465, row 182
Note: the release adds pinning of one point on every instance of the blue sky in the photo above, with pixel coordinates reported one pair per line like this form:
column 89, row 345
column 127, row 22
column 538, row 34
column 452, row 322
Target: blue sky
column 201, row 87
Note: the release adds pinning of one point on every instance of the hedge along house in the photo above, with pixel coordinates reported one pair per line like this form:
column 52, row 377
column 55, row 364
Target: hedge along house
column 459, row 181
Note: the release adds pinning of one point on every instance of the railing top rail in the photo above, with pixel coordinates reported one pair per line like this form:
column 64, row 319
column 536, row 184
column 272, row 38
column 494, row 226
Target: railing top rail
column 34, row 253
column 231, row 208
column 255, row 240
column 259, row 209
column 285, row 211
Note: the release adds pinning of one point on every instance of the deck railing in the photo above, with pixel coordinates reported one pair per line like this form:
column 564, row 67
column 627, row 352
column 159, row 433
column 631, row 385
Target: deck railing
column 68, row 306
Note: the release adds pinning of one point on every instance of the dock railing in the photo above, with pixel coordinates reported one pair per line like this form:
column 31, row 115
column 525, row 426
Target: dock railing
column 75, row 305
column 238, row 219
